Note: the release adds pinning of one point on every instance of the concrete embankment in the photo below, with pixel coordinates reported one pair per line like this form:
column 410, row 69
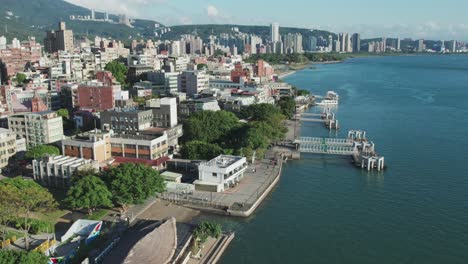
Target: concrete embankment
column 261, row 198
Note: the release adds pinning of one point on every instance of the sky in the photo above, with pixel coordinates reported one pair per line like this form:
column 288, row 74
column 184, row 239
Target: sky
column 426, row 19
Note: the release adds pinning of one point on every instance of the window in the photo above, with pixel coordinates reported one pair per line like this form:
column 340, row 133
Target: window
column 215, row 174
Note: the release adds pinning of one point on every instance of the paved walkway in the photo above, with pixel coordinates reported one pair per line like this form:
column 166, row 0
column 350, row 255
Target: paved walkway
column 257, row 178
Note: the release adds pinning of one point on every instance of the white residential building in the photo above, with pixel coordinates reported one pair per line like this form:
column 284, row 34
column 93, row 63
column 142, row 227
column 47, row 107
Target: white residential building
column 56, row 171
column 7, row 146
column 37, row 128
column 220, row 173
column 193, row 82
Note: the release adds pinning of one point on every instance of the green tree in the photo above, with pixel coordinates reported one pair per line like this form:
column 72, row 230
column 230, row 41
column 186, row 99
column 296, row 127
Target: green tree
column 199, row 150
column 132, row 183
column 41, row 151
column 287, row 106
column 119, row 71
column 28, row 197
column 203, row 231
column 23, row 257
column 202, row 66
column 89, row 192
column 218, row 53
column 20, row 77
column 63, row 113
column 209, row 126
column 7, row 209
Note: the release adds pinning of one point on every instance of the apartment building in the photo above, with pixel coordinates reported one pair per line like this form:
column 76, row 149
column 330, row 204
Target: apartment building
column 7, row 146
column 37, row 128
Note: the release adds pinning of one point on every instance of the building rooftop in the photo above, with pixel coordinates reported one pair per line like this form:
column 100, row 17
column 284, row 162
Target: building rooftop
column 223, row 161
column 136, row 137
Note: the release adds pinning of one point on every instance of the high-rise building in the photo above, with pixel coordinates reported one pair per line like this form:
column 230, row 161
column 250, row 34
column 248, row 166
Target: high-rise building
column 330, row 43
column 312, row 44
column 106, row 16
column 337, row 46
column 384, row 44
column 298, row 48
column 93, row 15
column 61, row 39
column 193, row 82
column 293, row 43
column 275, row 36
column 398, row 45
column 356, row 40
column 421, row 46
column 442, row 46
column 453, row 46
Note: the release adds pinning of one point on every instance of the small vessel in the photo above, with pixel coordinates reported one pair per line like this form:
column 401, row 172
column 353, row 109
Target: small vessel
column 327, row 102
column 331, row 95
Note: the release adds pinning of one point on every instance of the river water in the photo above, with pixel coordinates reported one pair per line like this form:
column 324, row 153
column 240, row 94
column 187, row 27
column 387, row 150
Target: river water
column 325, row 210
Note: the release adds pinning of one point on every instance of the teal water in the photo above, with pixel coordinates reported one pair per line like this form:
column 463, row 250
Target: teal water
column 324, row 210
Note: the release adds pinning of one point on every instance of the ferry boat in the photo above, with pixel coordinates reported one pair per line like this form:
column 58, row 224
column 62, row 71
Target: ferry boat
column 327, row 102
column 331, row 95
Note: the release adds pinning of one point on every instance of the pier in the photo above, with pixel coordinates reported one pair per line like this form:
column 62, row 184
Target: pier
column 327, row 117
column 355, row 145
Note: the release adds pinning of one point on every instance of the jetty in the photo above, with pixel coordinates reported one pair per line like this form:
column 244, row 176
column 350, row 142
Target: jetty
column 326, row 117
column 355, row 145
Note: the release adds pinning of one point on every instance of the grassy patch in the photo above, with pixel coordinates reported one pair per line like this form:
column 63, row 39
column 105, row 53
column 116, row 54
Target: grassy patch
column 98, row 215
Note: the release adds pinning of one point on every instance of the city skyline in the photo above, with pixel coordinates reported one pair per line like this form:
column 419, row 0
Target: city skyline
column 365, row 18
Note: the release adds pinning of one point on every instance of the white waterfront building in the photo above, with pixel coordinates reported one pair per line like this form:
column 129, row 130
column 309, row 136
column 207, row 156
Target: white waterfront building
column 220, row 173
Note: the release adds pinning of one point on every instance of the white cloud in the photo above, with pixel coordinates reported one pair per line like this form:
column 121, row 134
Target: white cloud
column 128, row 7
column 212, row 11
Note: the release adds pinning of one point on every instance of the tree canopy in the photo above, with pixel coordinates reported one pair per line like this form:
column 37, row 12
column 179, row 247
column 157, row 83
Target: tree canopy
column 275, row 58
column 199, row 150
column 41, row 151
column 287, row 106
column 88, row 192
column 119, row 71
column 20, row 77
column 209, row 126
column 63, row 113
column 23, row 257
column 27, row 197
column 132, row 183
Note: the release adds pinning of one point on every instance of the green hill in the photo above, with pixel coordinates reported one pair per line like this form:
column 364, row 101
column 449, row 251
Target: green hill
column 34, row 17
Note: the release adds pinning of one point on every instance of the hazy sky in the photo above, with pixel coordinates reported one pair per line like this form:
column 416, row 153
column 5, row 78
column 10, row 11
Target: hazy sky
column 444, row 19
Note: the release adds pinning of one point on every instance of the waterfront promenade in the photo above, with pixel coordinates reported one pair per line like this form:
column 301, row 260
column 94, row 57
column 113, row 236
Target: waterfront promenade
column 241, row 200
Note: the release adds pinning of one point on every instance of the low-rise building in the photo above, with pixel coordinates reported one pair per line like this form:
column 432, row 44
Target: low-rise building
column 126, row 120
column 56, row 171
column 144, row 147
column 93, row 145
column 37, row 128
column 192, row 106
column 220, row 173
column 7, row 146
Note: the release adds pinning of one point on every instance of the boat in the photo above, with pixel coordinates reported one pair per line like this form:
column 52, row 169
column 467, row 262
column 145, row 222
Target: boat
column 327, row 102
column 331, row 95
